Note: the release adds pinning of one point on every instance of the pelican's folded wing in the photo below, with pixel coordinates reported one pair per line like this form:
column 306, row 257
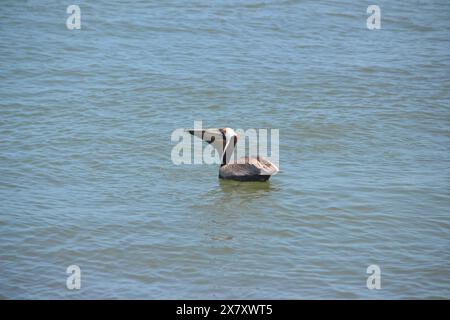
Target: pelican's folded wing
column 266, row 167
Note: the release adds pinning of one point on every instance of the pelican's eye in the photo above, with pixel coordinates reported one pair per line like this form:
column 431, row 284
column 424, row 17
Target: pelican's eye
column 212, row 140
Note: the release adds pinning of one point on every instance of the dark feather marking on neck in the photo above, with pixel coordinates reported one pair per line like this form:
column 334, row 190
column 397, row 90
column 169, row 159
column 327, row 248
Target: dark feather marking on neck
column 224, row 144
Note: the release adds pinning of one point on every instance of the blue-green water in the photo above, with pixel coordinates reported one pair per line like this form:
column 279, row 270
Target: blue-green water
column 86, row 176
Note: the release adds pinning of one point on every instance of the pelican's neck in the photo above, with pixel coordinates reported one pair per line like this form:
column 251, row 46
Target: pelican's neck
column 228, row 149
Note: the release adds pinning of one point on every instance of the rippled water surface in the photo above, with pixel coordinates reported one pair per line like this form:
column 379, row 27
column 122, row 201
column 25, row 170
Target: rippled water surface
column 86, row 176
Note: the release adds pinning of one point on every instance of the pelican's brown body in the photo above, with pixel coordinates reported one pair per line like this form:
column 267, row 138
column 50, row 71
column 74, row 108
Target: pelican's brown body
column 248, row 169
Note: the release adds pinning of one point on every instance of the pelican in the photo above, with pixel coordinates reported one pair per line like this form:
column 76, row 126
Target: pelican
column 246, row 168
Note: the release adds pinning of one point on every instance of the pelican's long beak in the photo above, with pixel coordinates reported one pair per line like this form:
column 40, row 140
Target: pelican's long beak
column 207, row 135
column 215, row 137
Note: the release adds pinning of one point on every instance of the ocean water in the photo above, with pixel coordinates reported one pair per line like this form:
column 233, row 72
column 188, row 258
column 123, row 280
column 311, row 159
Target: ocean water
column 86, row 176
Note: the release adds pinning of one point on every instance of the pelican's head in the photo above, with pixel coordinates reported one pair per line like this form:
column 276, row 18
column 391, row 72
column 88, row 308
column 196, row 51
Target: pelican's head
column 230, row 135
